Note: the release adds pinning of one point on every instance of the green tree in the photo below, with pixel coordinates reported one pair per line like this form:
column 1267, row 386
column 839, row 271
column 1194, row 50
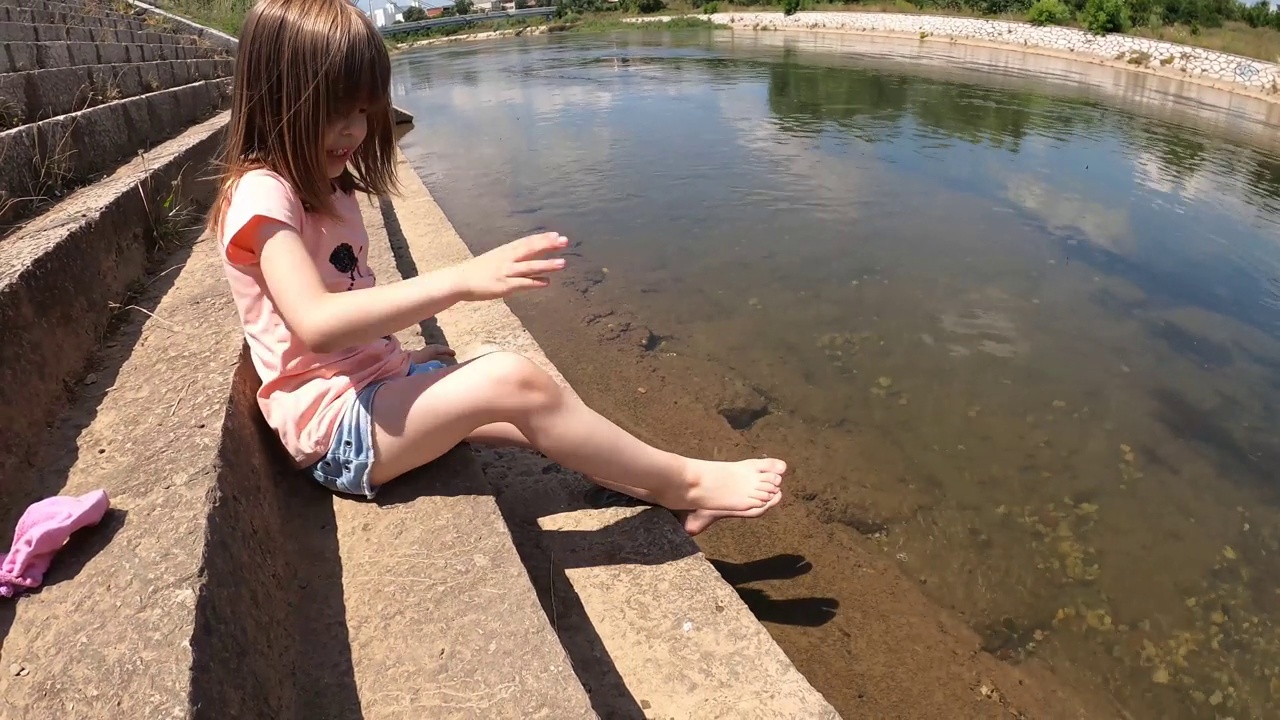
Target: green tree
column 1105, row 16
column 790, row 7
column 463, row 7
column 414, row 14
column 1049, row 12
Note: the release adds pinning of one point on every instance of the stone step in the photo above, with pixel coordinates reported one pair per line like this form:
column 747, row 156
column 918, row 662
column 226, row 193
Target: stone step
column 650, row 626
column 431, row 564
column 90, row 9
column 16, row 32
column 181, row 25
column 44, row 160
column 27, row 56
column 62, row 274
column 68, row 17
column 226, row 584
column 181, row 604
column 36, row 95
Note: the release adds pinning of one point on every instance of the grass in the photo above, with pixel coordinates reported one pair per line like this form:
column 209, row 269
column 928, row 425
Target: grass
column 399, row 41
column 1236, row 38
column 224, row 15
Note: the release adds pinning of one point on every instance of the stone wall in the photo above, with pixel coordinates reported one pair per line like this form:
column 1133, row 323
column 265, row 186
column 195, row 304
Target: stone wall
column 1246, row 73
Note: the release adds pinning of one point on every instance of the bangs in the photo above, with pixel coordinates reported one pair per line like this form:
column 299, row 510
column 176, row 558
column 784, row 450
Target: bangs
column 360, row 75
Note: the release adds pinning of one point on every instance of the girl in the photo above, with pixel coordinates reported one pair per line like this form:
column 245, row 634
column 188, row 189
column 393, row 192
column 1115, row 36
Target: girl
column 310, row 128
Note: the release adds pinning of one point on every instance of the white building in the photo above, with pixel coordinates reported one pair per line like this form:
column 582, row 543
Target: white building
column 388, row 14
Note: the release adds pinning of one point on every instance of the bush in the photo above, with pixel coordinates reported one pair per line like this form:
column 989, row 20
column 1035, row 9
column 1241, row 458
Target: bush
column 1049, row 12
column 1105, row 16
column 650, row 6
column 790, row 7
column 414, row 14
column 711, row 8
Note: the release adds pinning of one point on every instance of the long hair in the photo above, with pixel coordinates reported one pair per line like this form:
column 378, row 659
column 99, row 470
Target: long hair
column 301, row 64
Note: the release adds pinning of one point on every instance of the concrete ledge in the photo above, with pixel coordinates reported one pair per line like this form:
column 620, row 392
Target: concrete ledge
column 43, row 160
column 78, row 8
column 22, row 32
column 69, row 17
column 652, row 629
column 29, row 97
column 189, row 601
column 431, row 564
column 115, row 640
column 226, row 584
column 207, row 35
column 60, row 275
column 26, row 56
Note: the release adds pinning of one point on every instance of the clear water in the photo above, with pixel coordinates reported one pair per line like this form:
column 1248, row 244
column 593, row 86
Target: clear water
column 1032, row 307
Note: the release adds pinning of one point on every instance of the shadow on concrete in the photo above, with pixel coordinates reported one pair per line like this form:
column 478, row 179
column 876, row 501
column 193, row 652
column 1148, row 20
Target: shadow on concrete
column 7, row 611
column 543, row 555
column 271, row 632
column 548, row 555
column 802, row 612
column 83, row 546
column 42, row 469
column 431, row 332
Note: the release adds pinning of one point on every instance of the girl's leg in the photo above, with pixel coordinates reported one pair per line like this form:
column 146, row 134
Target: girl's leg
column 420, row 417
column 694, row 521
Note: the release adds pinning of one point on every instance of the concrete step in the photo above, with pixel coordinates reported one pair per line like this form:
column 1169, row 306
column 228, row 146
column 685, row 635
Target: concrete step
column 181, row 603
column 69, row 17
column 44, row 160
column 432, row 565
column 61, row 274
column 27, row 56
column 100, row 9
column 183, row 26
column 226, row 584
column 16, row 32
column 29, row 97
column 651, row 628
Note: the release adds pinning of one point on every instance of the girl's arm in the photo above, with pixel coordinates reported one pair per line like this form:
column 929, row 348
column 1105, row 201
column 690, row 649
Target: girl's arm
column 329, row 321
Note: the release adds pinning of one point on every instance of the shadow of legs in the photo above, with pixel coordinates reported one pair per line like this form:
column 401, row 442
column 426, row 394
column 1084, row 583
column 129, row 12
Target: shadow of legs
column 801, row 612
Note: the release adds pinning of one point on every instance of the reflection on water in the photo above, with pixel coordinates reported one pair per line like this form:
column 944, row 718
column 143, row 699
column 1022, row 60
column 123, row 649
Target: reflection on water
column 1046, row 294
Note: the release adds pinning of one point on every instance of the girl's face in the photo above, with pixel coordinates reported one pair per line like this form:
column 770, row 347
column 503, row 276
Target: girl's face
column 341, row 138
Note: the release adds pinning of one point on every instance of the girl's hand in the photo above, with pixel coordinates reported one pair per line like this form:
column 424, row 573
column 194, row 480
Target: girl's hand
column 515, row 266
column 429, row 353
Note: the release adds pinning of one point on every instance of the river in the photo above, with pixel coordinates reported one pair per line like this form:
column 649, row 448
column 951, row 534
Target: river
column 1014, row 320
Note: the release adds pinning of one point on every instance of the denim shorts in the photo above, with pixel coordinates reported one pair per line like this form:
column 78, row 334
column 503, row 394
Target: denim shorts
column 345, row 468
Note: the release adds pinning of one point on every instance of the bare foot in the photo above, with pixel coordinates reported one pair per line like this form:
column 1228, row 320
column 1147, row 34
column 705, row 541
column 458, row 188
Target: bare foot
column 696, row 521
column 732, row 486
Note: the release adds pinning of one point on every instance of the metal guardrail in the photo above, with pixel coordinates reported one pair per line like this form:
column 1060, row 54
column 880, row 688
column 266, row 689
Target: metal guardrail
column 410, row 27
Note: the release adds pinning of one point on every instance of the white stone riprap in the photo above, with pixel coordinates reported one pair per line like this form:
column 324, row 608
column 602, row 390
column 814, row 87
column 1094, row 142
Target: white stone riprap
column 1246, row 73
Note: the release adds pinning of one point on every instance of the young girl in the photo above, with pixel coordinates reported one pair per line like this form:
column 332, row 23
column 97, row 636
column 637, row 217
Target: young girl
column 310, row 128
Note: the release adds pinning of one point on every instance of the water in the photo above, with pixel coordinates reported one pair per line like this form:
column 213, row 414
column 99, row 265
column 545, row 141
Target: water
column 1028, row 310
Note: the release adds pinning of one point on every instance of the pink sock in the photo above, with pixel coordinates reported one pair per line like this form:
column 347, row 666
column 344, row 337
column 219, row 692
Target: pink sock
column 42, row 531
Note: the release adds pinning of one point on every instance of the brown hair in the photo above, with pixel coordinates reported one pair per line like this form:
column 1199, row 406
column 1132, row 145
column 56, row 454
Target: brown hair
column 300, row 64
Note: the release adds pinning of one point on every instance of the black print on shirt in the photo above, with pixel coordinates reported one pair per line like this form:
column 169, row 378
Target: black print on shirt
column 343, row 259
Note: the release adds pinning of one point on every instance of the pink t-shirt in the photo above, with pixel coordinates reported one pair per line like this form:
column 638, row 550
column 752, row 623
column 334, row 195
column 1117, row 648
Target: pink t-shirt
column 303, row 393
